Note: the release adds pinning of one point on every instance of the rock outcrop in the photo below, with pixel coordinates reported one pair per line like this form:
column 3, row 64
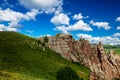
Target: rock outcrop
column 102, row 66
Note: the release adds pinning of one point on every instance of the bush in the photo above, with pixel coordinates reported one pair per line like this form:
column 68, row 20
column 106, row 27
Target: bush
column 67, row 73
column 38, row 41
column 46, row 39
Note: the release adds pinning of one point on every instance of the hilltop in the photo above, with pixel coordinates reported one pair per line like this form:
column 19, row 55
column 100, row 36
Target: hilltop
column 26, row 58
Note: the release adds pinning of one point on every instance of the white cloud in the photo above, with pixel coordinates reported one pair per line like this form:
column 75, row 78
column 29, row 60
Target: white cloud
column 105, row 40
column 14, row 25
column 29, row 31
column 116, row 34
column 7, row 28
column 78, row 16
column 14, row 18
column 48, row 6
column 104, row 25
column 118, row 19
column 10, row 15
column 118, row 28
column 86, row 36
column 31, row 15
column 61, row 28
column 60, row 19
column 48, row 35
column 44, row 35
column 80, row 25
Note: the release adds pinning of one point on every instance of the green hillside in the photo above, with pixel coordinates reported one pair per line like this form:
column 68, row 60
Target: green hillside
column 25, row 58
column 112, row 47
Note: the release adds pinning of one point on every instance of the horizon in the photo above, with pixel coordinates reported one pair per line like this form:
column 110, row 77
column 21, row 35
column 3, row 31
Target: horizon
column 94, row 20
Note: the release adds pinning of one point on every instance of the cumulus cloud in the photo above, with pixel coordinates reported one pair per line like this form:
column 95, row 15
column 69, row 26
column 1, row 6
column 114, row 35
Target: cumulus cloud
column 14, row 18
column 105, row 40
column 78, row 16
column 118, row 19
column 104, row 25
column 10, row 15
column 80, row 25
column 118, row 28
column 29, row 31
column 44, row 35
column 60, row 19
column 61, row 28
column 85, row 36
column 31, row 15
column 116, row 34
column 7, row 28
column 48, row 6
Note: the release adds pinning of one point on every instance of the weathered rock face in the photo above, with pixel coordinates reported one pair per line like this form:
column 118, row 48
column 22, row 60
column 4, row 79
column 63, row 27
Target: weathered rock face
column 102, row 66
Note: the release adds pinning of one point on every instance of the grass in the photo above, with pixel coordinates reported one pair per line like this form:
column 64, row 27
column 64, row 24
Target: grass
column 112, row 47
column 24, row 58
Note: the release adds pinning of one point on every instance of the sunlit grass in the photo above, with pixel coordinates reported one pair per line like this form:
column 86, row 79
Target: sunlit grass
column 21, row 57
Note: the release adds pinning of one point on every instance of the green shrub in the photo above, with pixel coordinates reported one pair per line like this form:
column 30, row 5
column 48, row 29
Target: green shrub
column 46, row 39
column 67, row 73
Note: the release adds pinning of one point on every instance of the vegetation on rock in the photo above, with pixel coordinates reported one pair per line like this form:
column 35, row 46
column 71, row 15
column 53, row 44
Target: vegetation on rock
column 46, row 39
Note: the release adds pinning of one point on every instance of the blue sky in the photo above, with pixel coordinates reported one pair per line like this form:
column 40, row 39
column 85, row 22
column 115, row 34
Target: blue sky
column 95, row 20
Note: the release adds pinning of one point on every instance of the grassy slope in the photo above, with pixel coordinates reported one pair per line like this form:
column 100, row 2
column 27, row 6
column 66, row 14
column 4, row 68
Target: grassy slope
column 111, row 47
column 22, row 59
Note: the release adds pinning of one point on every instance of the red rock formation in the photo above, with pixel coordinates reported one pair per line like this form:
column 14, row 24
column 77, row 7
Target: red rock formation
column 102, row 66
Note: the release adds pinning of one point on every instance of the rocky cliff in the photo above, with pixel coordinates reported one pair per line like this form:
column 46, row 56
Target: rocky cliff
column 102, row 66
